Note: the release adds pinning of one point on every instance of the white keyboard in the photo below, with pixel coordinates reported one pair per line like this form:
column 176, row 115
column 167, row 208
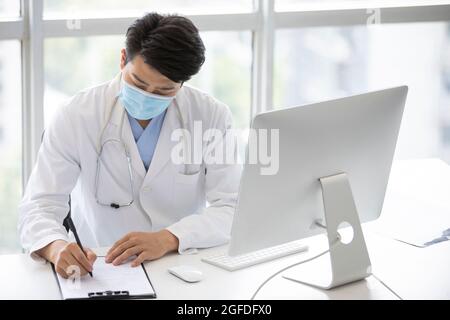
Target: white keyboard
column 229, row 263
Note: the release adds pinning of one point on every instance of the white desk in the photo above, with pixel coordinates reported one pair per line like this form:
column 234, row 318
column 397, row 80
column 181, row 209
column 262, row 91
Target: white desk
column 412, row 272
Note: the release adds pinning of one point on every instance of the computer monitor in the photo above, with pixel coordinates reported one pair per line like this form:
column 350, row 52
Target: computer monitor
column 352, row 138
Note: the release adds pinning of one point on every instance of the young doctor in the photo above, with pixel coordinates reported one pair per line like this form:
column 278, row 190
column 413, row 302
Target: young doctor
column 109, row 150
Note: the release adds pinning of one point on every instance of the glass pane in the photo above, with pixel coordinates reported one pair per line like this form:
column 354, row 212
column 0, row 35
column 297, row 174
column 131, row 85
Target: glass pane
column 226, row 74
column 93, row 60
column 315, row 64
column 9, row 8
column 10, row 144
column 88, row 8
column 299, row 5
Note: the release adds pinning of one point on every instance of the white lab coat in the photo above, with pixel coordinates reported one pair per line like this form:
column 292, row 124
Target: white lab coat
column 165, row 197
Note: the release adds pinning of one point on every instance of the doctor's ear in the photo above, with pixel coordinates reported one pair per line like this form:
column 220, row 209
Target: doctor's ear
column 123, row 59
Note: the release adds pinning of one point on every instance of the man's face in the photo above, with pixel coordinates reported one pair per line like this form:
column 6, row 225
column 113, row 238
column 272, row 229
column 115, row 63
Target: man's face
column 143, row 76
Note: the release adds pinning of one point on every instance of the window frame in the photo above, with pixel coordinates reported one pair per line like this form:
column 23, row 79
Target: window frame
column 32, row 30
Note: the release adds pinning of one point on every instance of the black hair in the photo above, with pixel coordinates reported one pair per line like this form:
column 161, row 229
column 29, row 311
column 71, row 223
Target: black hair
column 170, row 44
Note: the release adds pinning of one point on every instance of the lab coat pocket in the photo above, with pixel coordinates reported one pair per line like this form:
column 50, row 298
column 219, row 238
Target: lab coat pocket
column 188, row 179
column 186, row 193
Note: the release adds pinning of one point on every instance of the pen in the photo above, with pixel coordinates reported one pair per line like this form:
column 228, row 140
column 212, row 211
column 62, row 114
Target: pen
column 74, row 230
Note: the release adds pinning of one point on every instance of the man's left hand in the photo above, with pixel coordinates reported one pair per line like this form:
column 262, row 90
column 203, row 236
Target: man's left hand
column 144, row 245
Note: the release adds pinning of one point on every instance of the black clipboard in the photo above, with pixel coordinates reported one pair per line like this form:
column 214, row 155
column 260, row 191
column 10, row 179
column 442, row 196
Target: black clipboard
column 109, row 294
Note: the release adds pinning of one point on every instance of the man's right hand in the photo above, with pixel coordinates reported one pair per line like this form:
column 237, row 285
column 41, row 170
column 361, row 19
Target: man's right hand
column 65, row 256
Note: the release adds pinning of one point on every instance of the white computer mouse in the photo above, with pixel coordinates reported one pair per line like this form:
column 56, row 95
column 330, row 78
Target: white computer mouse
column 187, row 273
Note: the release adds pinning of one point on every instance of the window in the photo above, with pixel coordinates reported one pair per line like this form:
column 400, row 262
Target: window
column 136, row 8
column 9, row 8
column 86, row 69
column 333, row 62
column 226, row 74
column 10, row 144
column 316, row 55
column 300, row 5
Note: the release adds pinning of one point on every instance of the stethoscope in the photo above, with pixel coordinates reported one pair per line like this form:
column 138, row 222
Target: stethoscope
column 101, row 146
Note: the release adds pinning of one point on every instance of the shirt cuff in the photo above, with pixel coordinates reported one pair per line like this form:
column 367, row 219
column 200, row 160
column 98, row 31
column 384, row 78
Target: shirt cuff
column 43, row 243
column 184, row 241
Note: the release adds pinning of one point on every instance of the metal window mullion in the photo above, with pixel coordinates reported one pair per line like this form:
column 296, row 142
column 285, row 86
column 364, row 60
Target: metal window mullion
column 119, row 26
column 11, row 29
column 32, row 84
column 360, row 16
column 263, row 52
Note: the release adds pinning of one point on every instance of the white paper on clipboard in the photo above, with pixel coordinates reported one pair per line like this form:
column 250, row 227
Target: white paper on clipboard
column 107, row 277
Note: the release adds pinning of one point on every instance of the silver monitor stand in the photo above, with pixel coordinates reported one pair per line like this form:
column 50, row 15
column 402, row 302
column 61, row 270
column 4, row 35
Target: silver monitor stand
column 348, row 262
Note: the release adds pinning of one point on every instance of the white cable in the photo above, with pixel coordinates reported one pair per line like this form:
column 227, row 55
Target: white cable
column 308, row 260
column 387, row 287
column 291, row 266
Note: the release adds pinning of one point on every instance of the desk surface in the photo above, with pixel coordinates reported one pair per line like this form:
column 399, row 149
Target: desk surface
column 412, row 272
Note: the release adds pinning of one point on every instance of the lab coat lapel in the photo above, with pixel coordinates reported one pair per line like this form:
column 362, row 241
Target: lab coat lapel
column 119, row 115
column 136, row 160
column 165, row 144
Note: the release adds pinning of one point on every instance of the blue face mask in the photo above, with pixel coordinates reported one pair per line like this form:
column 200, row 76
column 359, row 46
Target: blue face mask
column 142, row 105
